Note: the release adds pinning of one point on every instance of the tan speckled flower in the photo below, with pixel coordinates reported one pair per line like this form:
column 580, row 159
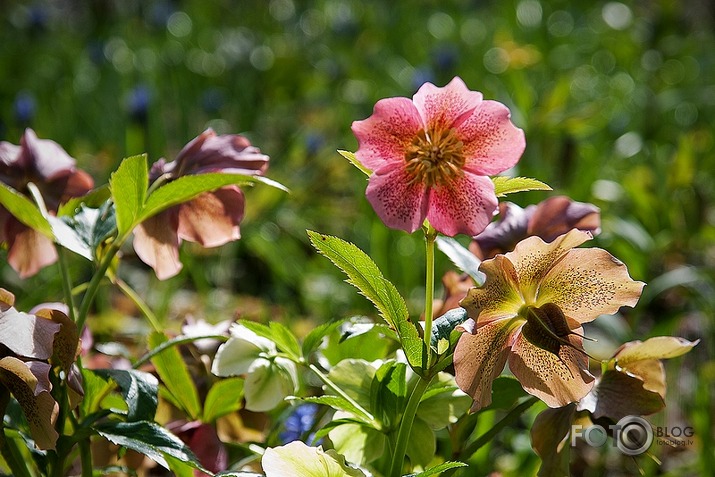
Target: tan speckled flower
column 530, row 311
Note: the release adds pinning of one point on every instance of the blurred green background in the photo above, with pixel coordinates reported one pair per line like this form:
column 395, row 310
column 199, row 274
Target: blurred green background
column 617, row 101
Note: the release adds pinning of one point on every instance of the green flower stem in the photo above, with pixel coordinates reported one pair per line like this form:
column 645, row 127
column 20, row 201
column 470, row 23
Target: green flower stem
column 66, row 283
column 137, row 300
column 403, row 433
column 337, row 390
column 507, row 420
column 430, row 237
column 96, row 280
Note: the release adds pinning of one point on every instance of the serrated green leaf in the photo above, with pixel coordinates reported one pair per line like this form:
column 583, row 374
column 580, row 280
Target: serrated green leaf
column 150, row 439
column 224, row 397
column 462, row 258
column 24, row 210
column 277, row 332
column 438, row 469
column 140, row 391
column 508, row 185
column 189, row 187
column 128, row 185
column 338, row 403
column 313, row 340
column 350, row 156
column 364, row 274
column 173, row 373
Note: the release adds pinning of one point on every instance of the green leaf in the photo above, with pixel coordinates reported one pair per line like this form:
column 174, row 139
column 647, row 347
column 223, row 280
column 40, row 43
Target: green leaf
column 354, row 377
column 508, row 185
column 438, row 469
column 422, row 445
column 92, row 199
column 339, row 403
column 128, row 185
column 388, row 392
column 189, row 187
column 86, row 230
column 350, row 156
column 139, row 389
column 94, row 391
column 173, row 372
column 462, row 258
column 277, row 332
column 364, row 274
column 24, row 210
column 443, row 403
column 443, row 326
column 223, row 398
column 358, row 443
column 178, row 467
column 313, row 340
column 150, row 439
column 506, row 391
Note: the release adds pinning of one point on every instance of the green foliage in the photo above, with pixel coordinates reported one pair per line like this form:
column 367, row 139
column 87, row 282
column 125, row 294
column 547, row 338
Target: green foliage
column 128, row 185
column 140, row 391
column 223, row 397
column 24, row 209
column 509, row 185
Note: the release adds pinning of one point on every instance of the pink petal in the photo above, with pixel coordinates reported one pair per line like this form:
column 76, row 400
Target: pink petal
column 28, row 250
column 533, row 258
column 499, row 297
column 9, row 154
column 445, row 108
column 45, row 156
column 384, row 137
column 479, row 358
column 400, row 205
column 157, row 244
column 557, row 215
column 492, row 143
column 587, row 283
column 556, row 380
column 466, row 206
column 212, row 219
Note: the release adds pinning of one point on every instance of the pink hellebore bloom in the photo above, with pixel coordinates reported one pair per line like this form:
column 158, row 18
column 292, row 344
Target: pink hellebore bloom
column 52, row 170
column 430, row 157
column 530, row 311
column 210, row 219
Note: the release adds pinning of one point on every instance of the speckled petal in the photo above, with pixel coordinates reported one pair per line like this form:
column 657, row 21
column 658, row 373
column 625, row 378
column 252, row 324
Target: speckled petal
column 587, row 283
column 384, row 137
column 533, row 258
column 157, row 244
column 499, row 296
column 480, row 357
column 212, row 219
column 399, row 204
column 492, row 143
column 556, row 380
column 465, row 206
column 447, row 107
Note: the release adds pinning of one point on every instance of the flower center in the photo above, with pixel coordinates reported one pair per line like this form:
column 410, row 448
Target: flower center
column 435, row 158
column 546, row 327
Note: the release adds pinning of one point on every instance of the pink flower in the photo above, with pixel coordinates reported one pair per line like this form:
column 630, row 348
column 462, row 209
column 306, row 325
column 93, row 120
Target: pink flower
column 52, row 170
column 210, row 219
column 430, row 157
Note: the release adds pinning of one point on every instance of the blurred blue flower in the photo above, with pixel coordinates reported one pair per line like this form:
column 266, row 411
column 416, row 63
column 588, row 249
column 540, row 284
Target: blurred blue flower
column 445, row 58
column 24, row 107
column 300, row 422
column 422, row 75
column 313, row 142
column 138, row 103
column 212, row 100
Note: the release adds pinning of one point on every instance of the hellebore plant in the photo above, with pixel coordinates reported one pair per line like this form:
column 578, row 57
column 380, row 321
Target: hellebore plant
column 373, row 398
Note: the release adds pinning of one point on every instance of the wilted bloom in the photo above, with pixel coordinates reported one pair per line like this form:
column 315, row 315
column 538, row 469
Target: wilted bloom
column 530, row 311
column 210, row 219
column 45, row 164
column 31, row 344
column 431, row 156
column 548, row 219
column 633, row 384
column 270, row 378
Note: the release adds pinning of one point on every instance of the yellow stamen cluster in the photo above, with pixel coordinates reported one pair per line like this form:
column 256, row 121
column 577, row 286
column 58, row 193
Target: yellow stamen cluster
column 435, row 158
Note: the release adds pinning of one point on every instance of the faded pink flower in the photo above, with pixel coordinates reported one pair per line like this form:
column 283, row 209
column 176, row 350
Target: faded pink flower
column 45, row 164
column 210, row 219
column 529, row 312
column 431, row 156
